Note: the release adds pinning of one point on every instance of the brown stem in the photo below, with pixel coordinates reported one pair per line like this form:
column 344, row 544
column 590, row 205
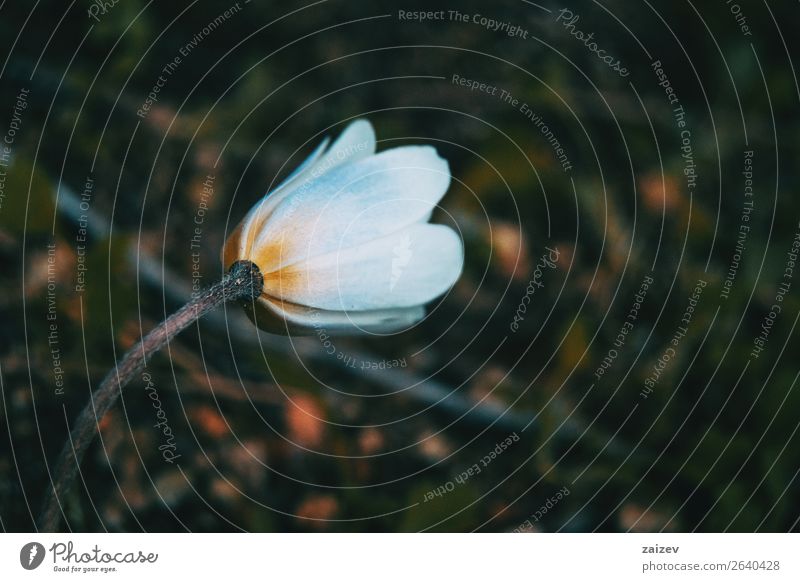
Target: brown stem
column 242, row 281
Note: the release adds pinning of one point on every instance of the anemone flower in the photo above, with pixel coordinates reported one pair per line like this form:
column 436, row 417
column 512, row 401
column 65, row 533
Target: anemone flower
column 344, row 242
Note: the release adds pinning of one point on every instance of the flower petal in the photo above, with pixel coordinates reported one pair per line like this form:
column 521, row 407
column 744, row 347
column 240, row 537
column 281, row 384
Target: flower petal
column 276, row 316
column 406, row 268
column 240, row 242
column 306, row 165
column 356, row 142
column 353, row 204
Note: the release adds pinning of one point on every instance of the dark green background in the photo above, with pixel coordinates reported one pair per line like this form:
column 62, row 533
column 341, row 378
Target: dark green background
column 714, row 448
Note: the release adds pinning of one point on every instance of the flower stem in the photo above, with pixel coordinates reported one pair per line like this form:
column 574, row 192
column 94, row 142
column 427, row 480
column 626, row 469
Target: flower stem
column 243, row 281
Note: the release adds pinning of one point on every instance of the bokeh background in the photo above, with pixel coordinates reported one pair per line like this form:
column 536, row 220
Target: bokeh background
column 278, row 434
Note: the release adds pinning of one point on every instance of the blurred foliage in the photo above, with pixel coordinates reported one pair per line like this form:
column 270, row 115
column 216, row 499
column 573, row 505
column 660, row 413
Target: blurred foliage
column 265, row 444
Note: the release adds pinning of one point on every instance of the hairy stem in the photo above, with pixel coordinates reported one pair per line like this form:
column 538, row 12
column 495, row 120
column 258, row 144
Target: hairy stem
column 242, row 281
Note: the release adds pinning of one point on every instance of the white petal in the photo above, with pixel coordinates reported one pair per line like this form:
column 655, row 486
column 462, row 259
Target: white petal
column 309, row 320
column 355, row 203
column 307, row 164
column 406, row 268
column 255, row 217
column 356, row 142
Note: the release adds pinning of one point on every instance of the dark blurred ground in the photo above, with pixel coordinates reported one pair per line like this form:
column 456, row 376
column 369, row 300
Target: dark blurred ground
column 274, row 441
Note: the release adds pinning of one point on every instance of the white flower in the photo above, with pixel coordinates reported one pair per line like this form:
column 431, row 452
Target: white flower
column 344, row 242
